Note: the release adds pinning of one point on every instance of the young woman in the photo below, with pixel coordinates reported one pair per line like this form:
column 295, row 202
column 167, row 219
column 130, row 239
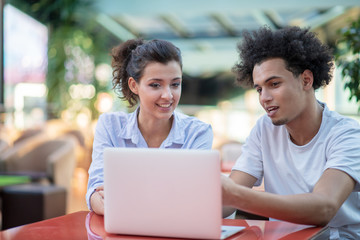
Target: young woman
column 148, row 73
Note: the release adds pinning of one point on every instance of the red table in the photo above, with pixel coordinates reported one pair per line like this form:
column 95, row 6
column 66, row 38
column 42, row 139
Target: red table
column 87, row 225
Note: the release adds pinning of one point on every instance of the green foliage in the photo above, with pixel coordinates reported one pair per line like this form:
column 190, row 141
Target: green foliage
column 54, row 13
column 347, row 56
column 74, row 39
column 63, row 38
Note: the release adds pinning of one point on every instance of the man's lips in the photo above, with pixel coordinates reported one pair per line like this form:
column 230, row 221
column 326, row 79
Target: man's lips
column 271, row 110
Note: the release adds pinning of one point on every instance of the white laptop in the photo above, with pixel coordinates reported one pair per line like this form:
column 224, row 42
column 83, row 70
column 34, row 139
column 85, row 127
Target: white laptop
column 164, row 193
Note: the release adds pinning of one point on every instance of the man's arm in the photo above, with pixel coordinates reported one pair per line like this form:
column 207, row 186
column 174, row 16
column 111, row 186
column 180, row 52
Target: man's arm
column 315, row 208
column 241, row 178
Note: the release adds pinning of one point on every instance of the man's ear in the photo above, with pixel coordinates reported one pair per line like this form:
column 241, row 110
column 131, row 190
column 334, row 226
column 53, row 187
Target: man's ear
column 308, row 79
column 133, row 85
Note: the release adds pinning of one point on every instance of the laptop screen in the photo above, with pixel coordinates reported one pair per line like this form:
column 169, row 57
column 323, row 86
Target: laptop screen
column 162, row 192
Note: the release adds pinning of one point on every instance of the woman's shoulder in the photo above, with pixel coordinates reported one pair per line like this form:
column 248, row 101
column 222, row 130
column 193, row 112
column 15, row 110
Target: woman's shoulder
column 115, row 117
column 185, row 120
column 114, row 114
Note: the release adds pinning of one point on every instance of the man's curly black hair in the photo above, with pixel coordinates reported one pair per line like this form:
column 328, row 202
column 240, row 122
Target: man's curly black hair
column 300, row 49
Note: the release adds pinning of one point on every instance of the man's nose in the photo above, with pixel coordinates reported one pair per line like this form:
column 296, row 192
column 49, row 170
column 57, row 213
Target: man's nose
column 265, row 96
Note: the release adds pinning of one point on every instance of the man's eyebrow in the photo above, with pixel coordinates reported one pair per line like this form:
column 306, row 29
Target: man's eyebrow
column 267, row 80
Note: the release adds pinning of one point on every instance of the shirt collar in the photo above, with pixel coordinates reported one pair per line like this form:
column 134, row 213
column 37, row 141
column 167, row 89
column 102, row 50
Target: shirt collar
column 177, row 132
column 131, row 130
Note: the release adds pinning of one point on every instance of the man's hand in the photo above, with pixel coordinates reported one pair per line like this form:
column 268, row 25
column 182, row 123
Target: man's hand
column 227, row 185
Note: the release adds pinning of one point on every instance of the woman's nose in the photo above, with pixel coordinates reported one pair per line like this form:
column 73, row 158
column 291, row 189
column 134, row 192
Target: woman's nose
column 166, row 93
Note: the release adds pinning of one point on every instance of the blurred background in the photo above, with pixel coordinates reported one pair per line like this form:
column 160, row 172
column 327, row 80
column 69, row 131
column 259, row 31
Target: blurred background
column 56, row 75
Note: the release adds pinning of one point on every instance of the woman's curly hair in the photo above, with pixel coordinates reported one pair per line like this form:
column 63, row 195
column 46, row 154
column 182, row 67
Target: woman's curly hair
column 299, row 48
column 130, row 58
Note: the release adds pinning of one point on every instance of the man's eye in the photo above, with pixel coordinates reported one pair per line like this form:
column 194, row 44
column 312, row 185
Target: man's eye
column 176, row 84
column 275, row 84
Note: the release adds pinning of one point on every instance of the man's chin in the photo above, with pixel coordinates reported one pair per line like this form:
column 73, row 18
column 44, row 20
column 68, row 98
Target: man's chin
column 279, row 122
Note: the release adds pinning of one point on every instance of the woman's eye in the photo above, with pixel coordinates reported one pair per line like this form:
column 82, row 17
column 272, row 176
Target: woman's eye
column 155, row 85
column 258, row 90
column 176, row 84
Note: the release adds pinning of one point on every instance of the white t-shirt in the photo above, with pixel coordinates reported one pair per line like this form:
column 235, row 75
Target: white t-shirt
column 291, row 169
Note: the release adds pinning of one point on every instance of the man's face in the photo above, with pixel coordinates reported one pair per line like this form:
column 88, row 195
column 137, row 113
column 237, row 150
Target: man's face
column 280, row 93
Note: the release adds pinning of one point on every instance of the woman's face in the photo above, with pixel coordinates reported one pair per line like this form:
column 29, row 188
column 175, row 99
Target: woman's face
column 159, row 89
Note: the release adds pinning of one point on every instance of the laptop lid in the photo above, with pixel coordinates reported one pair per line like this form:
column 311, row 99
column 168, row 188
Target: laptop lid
column 162, row 192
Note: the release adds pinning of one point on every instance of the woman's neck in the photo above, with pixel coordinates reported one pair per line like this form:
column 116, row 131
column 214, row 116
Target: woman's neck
column 154, row 132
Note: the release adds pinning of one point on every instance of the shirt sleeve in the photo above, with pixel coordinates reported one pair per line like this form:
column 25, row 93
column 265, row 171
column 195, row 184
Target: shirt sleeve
column 343, row 152
column 102, row 140
column 204, row 138
column 250, row 160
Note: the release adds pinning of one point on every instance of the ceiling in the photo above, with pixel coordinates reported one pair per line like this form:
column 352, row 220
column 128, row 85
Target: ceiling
column 207, row 31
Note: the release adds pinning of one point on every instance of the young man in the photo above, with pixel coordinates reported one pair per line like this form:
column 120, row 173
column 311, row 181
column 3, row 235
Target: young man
column 308, row 155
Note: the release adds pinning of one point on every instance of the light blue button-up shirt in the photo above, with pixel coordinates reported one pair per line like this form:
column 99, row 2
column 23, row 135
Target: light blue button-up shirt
column 119, row 129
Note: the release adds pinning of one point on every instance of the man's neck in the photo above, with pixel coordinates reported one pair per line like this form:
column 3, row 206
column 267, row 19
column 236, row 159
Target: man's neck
column 304, row 129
